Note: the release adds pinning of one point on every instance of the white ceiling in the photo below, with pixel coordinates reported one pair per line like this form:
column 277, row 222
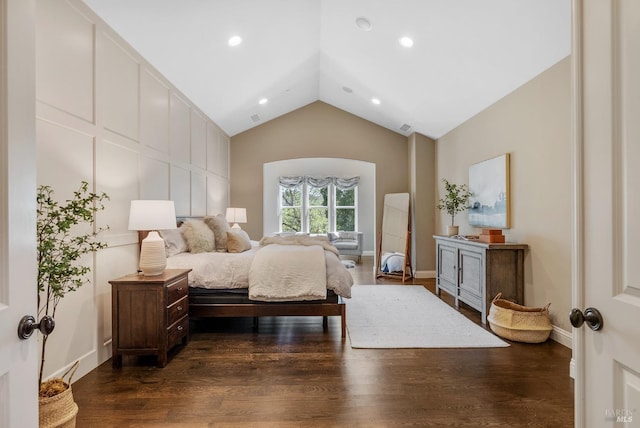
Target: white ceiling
column 467, row 54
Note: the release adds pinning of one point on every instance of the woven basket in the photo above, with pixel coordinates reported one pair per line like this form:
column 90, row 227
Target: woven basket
column 519, row 323
column 60, row 410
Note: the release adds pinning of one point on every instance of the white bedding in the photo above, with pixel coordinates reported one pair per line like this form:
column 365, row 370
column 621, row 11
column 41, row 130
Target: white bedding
column 281, row 273
column 216, row 270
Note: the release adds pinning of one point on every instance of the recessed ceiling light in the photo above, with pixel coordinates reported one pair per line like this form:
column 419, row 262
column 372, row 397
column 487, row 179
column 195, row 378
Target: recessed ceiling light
column 407, row 42
column 375, row 101
column 363, row 23
column 263, row 101
column 235, row 40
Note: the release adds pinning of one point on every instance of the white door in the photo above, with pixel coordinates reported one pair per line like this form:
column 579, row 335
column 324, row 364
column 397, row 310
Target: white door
column 608, row 361
column 18, row 358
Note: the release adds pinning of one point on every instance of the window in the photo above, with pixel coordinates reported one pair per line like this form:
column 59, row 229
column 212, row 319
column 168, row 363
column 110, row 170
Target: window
column 318, row 205
column 345, row 205
column 291, row 209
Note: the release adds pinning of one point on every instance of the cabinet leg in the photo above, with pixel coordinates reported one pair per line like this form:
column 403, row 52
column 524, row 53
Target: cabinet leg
column 162, row 360
column 116, row 361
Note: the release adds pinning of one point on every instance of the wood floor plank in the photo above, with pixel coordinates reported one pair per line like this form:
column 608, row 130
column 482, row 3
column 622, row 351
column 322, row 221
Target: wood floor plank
column 291, row 373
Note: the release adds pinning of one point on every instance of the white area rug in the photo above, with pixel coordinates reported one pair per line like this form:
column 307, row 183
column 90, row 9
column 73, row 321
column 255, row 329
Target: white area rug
column 404, row 316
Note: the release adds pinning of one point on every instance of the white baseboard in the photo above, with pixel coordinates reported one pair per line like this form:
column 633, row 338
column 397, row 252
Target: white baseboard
column 561, row 336
column 572, row 368
column 425, row 274
column 88, row 362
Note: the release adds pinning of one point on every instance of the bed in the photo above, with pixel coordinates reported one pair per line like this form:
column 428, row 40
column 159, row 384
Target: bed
column 276, row 276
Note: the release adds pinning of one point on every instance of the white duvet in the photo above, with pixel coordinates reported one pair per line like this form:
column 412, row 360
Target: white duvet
column 231, row 270
column 215, row 270
column 282, row 273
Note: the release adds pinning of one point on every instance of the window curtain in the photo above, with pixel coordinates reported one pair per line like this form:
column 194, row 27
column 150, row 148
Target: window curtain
column 291, row 182
column 346, row 183
column 319, row 182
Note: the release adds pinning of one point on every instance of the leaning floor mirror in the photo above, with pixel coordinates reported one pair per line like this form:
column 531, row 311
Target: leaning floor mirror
column 394, row 245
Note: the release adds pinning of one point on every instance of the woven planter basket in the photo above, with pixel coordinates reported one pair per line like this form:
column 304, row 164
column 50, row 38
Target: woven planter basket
column 519, row 323
column 60, row 410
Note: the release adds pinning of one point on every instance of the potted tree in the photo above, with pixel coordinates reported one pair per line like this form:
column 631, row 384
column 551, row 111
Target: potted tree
column 60, row 246
column 455, row 200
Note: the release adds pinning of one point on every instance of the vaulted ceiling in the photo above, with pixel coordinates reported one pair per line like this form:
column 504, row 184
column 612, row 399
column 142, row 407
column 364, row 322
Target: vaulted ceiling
column 466, row 54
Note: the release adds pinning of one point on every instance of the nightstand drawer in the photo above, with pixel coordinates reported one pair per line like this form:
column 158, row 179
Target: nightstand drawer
column 178, row 310
column 177, row 290
column 177, row 331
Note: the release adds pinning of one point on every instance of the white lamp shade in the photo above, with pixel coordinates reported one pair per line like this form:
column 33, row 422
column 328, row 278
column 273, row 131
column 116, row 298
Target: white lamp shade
column 152, row 215
column 236, row 215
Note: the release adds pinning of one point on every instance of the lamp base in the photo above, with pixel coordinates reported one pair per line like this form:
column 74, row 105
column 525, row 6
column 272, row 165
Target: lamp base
column 236, row 226
column 153, row 258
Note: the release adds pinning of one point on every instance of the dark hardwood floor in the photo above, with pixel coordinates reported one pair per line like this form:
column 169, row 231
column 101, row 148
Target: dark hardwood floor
column 290, row 373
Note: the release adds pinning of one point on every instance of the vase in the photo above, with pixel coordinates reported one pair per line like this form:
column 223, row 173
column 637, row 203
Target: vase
column 452, row 230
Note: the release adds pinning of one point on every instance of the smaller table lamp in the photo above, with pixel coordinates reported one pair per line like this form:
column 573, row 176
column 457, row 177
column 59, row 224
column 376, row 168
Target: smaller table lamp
column 150, row 215
column 235, row 216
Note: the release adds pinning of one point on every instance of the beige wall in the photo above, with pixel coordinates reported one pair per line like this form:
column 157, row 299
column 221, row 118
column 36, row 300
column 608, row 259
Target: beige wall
column 533, row 125
column 422, row 158
column 104, row 115
column 316, row 130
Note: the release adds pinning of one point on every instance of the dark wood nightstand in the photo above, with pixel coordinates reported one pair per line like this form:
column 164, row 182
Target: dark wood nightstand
column 150, row 314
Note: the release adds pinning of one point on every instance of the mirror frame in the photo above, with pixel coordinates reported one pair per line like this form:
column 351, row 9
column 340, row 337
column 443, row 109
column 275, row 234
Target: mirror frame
column 391, row 202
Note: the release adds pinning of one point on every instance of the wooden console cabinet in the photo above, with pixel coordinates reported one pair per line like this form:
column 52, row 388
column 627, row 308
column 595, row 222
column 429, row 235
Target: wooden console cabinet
column 150, row 314
column 474, row 272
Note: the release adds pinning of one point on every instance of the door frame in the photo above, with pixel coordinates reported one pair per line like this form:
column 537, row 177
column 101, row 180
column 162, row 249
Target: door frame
column 577, row 244
column 18, row 268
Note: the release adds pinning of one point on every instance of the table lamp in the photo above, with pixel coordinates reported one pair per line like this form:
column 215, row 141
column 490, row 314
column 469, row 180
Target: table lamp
column 150, row 215
column 235, row 216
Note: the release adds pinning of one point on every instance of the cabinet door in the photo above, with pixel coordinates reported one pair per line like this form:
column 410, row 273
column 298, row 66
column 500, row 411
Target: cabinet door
column 447, row 265
column 471, row 277
column 139, row 319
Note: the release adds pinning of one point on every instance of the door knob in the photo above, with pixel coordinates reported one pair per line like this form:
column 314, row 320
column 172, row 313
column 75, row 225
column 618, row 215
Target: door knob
column 592, row 317
column 28, row 324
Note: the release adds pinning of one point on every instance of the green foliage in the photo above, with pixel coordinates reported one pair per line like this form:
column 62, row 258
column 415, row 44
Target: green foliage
column 318, row 209
column 318, row 220
column 59, row 248
column 345, row 198
column 292, row 217
column 455, row 200
column 346, row 219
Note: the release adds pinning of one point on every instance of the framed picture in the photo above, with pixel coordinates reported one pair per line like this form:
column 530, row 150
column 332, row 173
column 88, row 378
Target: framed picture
column 489, row 187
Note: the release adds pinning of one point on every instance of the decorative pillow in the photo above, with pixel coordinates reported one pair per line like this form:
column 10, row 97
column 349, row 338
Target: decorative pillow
column 238, row 241
column 347, row 235
column 220, row 227
column 198, row 235
column 174, row 241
